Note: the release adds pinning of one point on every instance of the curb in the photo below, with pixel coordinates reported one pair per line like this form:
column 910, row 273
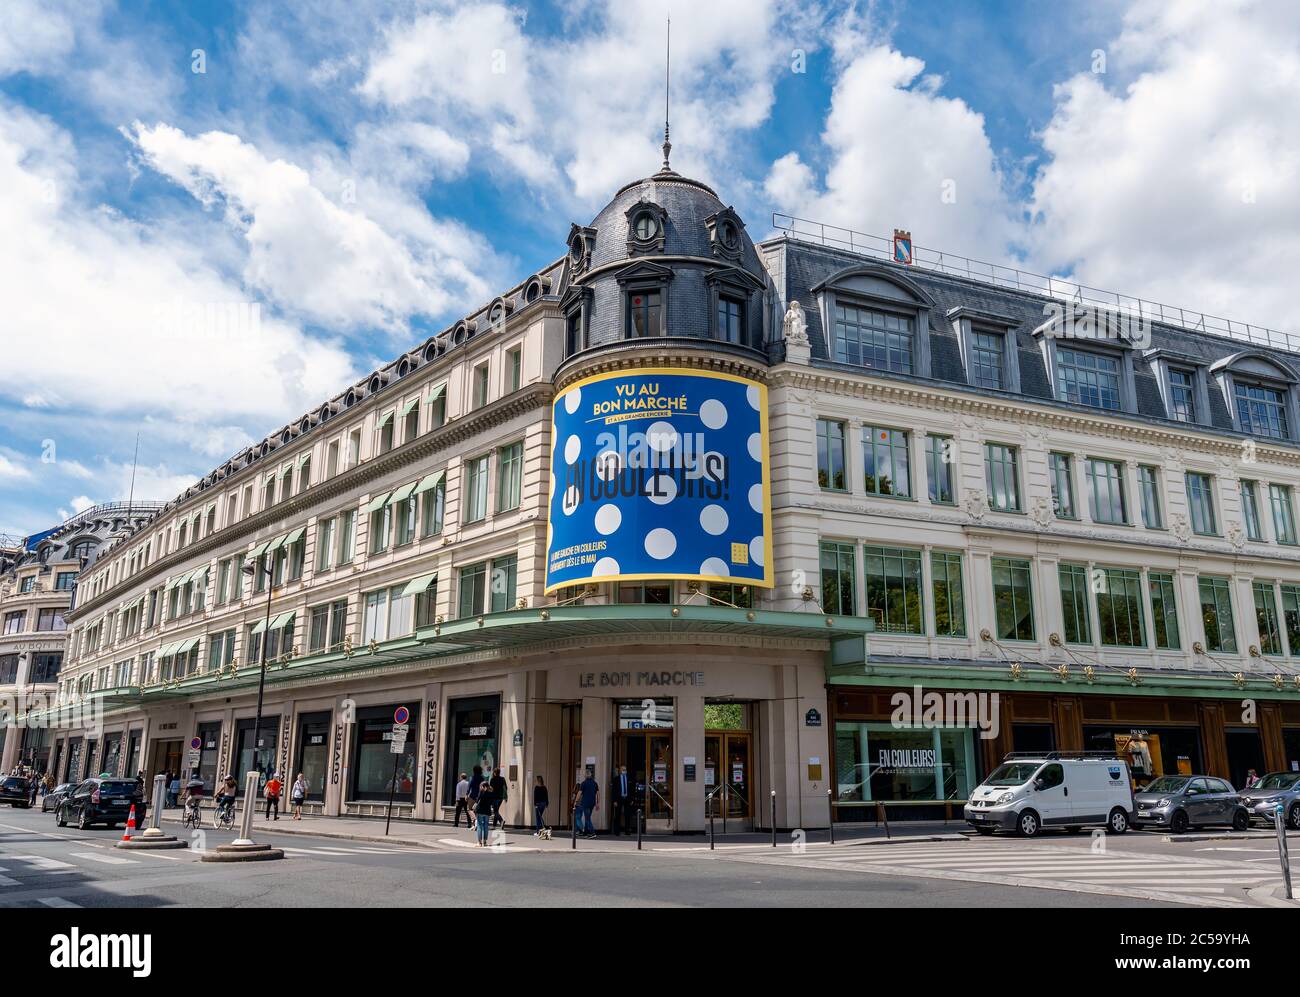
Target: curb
column 1191, row 839
column 1270, row 896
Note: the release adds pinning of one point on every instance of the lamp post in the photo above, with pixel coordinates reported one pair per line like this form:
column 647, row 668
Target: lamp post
column 268, row 571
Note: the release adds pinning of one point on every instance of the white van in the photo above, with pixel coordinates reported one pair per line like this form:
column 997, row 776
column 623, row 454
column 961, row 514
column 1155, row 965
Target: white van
column 1027, row 793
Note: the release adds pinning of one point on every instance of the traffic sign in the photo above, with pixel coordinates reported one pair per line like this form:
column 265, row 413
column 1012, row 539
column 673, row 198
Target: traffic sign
column 401, row 715
column 196, row 743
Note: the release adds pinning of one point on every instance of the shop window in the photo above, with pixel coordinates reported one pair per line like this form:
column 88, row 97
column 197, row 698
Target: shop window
column 879, row 762
column 259, row 757
column 471, row 740
column 313, row 754
column 374, row 774
column 209, row 735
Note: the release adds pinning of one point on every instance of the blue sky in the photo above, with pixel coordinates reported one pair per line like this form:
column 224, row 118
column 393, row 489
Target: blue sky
column 365, row 172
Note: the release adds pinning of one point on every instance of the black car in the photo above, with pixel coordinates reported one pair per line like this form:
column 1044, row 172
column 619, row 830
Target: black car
column 16, row 791
column 101, row 801
column 50, row 801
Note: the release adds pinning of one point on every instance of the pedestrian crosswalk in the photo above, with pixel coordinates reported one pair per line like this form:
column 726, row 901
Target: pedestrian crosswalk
column 1204, row 881
column 338, row 851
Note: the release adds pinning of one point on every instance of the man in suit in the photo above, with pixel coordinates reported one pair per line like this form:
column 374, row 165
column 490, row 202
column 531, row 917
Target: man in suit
column 622, row 792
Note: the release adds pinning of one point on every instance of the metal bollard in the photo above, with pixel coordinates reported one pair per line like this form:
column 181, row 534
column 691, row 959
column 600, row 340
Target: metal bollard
column 710, row 832
column 573, row 834
column 830, row 815
column 1283, row 855
column 774, row 818
column 640, row 827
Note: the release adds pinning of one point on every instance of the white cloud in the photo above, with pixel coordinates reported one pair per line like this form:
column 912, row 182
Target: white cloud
column 100, row 310
column 326, row 261
column 899, row 154
column 34, row 37
column 13, row 469
column 1181, row 187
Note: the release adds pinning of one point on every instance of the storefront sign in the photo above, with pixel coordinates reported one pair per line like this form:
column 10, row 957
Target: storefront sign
column 517, row 739
column 336, row 763
column 688, row 769
column 430, row 747
column 660, row 473
column 812, row 718
column 899, row 759
column 626, row 680
column 661, row 772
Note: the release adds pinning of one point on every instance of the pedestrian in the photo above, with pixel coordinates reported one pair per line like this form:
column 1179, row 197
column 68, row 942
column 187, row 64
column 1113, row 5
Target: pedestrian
column 31, row 791
column 173, row 788
column 621, row 804
column 462, row 803
column 483, row 811
column 1251, row 778
column 498, row 796
column 588, row 801
column 273, row 787
column 541, row 800
column 475, row 787
column 298, row 795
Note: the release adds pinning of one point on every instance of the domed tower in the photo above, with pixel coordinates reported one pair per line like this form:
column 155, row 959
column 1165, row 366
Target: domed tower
column 659, row 460
column 664, row 266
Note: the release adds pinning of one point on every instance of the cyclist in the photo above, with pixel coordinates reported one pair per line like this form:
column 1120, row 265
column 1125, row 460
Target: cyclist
column 226, row 796
column 193, row 794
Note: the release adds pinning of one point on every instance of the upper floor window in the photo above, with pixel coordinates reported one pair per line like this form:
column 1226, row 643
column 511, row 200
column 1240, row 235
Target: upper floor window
column 1216, row 615
column 1149, row 497
column 27, row 584
column 1088, row 378
column 885, row 461
column 64, row 581
column 1200, row 504
column 1002, row 475
column 1061, row 471
column 644, row 313
column 480, row 386
column 1261, row 410
column 939, row 461
column 1182, row 395
column 1250, row 510
column 730, row 319
column 514, row 368
column 871, row 338
column 1106, row 499
column 988, row 360
column 386, row 432
column 830, row 455
column 1283, row 514
column 838, row 570
column 476, row 489
column 1013, row 599
column 893, row 586
column 572, row 332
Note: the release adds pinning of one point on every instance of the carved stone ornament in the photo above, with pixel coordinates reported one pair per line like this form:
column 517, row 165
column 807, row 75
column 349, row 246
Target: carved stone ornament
column 1179, row 526
column 794, row 326
column 1041, row 511
column 976, row 504
column 1236, row 536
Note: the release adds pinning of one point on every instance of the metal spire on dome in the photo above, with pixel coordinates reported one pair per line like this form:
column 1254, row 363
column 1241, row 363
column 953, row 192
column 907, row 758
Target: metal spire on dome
column 668, row 55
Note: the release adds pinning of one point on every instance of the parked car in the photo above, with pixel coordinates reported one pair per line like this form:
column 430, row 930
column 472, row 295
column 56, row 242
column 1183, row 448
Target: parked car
column 1179, row 802
column 50, row 800
column 1023, row 795
column 1261, row 799
column 100, row 801
column 16, row 791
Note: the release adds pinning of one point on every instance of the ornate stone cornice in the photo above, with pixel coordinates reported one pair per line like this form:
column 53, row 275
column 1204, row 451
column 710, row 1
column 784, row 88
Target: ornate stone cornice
column 630, row 354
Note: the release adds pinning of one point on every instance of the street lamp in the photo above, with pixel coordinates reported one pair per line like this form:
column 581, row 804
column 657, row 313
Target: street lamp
column 268, row 572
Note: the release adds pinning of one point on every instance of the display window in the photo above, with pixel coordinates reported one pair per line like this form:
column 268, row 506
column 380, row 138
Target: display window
column 1149, row 751
column 471, row 739
column 376, row 771
column 877, row 762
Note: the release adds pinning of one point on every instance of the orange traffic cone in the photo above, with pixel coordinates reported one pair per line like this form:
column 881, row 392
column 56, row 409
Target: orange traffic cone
column 130, row 825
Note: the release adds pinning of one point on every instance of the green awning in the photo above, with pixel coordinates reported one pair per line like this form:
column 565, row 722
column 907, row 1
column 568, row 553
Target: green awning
column 402, row 494
column 257, row 551
column 175, row 582
column 377, row 502
column 406, row 409
column 295, row 536
column 286, row 471
column 438, row 392
column 417, row 585
column 385, row 419
column 186, row 646
column 167, row 650
column 430, row 482
column 281, row 621
column 277, row 543
column 260, row 626
column 303, row 459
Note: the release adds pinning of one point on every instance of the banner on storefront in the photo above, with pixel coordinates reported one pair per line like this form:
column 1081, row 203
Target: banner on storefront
column 660, row 473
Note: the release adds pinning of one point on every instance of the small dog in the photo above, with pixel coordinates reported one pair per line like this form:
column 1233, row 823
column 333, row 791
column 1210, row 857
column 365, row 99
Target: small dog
column 544, row 834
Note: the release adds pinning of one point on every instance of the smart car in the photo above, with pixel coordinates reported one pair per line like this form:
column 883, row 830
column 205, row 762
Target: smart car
column 1179, row 802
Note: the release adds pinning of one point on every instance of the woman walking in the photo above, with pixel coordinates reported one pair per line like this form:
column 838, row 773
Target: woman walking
column 541, row 800
column 298, row 795
column 483, row 812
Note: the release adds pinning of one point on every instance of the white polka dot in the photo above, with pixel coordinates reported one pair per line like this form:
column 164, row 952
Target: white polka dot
column 661, row 489
column 661, row 436
column 755, row 446
column 573, row 398
column 713, row 414
column 608, row 518
column 751, row 395
column 660, row 543
column 713, row 519
column 605, row 566
column 756, row 497
column 756, row 550
column 573, row 449
column 607, row 464
column 715, row 566
column 571, row 497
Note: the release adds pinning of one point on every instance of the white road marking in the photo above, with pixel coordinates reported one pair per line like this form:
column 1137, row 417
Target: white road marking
column 106, row 859
column 44, row 863
column 6, row 881
column 57, row 902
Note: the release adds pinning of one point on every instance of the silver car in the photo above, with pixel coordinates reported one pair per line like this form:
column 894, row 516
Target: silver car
column 1262, row 799
column 1182, row 801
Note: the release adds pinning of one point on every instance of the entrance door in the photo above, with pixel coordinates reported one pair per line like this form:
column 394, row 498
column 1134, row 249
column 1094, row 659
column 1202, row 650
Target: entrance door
column 1245, row 752
column 648, row 756
column 728, row 776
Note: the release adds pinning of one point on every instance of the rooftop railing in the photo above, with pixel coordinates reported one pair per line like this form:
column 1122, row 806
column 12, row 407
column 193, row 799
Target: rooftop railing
column 1000, row 275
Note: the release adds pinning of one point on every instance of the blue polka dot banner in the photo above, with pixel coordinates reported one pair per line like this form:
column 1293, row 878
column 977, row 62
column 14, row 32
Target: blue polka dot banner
column 660, row 473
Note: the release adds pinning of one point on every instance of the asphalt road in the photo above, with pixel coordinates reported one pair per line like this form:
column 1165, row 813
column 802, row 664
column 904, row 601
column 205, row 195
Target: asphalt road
column 42, row 865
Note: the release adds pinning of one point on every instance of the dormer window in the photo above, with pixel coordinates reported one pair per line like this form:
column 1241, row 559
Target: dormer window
column 1261, row 410
column 644, row 313
column 646, row 225
column 1087, row 378
column 870, row 337
column 988, row 360
column 1182, row 395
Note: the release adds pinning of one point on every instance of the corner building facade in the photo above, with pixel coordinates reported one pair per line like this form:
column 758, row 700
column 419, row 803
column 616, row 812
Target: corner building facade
column 895, row 482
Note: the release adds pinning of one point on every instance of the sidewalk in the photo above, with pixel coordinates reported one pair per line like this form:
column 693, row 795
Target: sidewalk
column 443, row 836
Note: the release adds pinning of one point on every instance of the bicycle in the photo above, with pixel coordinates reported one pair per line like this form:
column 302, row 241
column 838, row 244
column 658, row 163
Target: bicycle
column 223, row 816
column 192, row 817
